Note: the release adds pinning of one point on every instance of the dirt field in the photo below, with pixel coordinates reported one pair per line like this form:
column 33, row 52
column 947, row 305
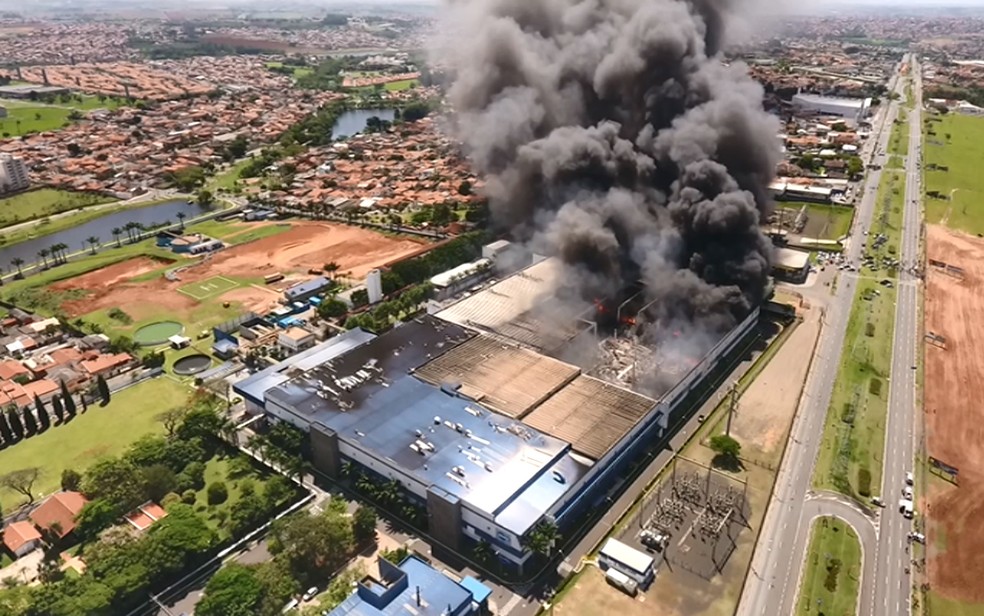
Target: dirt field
column 767, row 407
column 953, row 413
column 307, row 245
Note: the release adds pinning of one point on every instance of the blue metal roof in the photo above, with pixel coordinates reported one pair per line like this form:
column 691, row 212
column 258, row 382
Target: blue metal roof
column 369, row 397
column 411, row 588
column 480, row 592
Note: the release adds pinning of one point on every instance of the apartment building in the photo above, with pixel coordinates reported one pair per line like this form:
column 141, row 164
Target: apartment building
column 13, row 174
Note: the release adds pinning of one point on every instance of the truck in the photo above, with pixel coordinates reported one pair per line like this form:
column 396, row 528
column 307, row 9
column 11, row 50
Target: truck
column 905, row 508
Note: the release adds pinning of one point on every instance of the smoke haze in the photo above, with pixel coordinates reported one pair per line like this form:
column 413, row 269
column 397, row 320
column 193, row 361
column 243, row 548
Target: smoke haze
column 611, row 134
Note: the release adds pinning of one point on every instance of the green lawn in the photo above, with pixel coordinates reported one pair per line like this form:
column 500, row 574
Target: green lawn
column 951, row 607
column 834, row 221
column 299, row 71
column 833, row 570
column 958, row 145
column 403, row 84
column 226, row 180
column 101, row 431
column 22, row 120
column 43, row 202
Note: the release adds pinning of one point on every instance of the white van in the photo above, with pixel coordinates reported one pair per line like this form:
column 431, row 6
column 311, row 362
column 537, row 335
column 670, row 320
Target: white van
column 621, row 581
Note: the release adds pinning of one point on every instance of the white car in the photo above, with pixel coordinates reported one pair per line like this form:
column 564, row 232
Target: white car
column 907, row 492
column 908, row 475
column 309, row 593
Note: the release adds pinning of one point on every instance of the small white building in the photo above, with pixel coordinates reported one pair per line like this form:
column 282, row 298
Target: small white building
column 296, row 339
column 374, row 285
column 178, row 341
column 637, row 566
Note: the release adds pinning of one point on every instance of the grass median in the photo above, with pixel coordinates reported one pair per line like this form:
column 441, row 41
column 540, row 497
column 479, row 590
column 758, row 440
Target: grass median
column 850, row 460
column 832, row 572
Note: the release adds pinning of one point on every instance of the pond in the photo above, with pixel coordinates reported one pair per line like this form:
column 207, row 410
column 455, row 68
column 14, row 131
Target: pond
column 100, row 227
column 354, row 121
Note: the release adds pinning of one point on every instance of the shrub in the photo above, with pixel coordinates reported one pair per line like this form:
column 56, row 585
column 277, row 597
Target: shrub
column 874, row 387
column 869, row 329
column 188, row 497
column 170, row 499
column 217, row 493
column 833, row 568
column 864, row 482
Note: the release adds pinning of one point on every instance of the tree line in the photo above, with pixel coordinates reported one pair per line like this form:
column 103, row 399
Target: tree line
column 18, row 424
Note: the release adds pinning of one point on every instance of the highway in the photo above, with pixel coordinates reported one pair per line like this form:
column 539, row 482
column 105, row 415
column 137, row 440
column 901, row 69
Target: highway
column 892, row 581
column 772, row 583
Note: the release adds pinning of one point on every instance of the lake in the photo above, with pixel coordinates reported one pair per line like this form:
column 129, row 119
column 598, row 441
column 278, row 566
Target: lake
column 354, row 121
column 100, row 227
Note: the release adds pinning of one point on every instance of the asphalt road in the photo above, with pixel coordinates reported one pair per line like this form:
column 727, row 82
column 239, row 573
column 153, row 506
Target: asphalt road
column 772, row 584
column 892, row 580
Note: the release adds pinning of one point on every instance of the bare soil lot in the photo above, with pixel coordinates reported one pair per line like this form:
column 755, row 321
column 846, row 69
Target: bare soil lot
column 767, row 407
column 308, row 245
column 953, row 414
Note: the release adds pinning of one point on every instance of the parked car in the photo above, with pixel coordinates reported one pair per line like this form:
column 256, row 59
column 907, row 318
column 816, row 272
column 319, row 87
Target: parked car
column 908, row 475
column 309, row 593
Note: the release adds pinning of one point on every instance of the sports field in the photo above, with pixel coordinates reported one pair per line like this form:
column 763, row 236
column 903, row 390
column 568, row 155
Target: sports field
column 956, row 143
column 216, row 285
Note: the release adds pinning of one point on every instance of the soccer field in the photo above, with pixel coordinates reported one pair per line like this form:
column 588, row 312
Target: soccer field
column 216, row 285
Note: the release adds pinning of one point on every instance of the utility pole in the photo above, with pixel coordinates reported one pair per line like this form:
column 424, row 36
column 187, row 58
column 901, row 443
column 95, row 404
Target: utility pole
column 732, row 406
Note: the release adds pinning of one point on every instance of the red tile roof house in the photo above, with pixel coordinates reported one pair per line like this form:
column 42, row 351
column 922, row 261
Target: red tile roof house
column 21, row 537
column 146, row 514
column 59, row 509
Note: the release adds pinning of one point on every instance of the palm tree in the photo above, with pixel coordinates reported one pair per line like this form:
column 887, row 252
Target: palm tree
column 181, row 219
column 58, row 251
column 129, row 227
column 331, row 268
column 18, row 262
column 117, row 232
column 43, row 255
column 93, row 242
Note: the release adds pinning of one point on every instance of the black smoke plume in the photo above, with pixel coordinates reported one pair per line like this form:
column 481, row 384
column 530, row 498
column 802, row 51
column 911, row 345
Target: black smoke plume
column 613, row 134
